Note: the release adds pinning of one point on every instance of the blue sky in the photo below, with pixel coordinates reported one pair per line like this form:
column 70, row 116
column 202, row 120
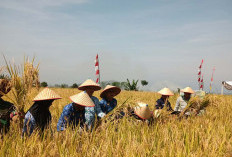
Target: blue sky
column 162, row 41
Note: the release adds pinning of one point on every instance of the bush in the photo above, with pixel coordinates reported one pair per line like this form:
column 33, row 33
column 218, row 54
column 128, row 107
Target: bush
column 74, row 85
column 117, row 84
column 131, row 86
column 44, row 84
column 144, row 82
column 64, row 85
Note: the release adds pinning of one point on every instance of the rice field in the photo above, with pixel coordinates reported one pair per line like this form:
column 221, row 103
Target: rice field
column 206, row 135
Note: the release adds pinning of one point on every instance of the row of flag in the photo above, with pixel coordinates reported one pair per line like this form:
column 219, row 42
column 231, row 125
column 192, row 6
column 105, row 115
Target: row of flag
column 201, row 79
column 200, row 75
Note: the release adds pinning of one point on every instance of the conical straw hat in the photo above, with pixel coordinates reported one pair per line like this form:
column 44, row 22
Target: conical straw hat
column 89, row 83
column 188, row 90
column 166, row 91
column 112, row 89
column 47, row 94
column 82, row 99
column 143, row 111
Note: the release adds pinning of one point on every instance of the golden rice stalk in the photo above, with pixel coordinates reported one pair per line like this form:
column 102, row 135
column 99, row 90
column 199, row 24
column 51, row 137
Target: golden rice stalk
column 23, row 79
column 196, row 104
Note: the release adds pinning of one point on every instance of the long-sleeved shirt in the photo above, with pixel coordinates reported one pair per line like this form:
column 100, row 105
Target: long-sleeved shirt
column 108, row 106
column 160, row 104
column 70, row 116
column 91, row 111
column 181, row 103
column 29, row 124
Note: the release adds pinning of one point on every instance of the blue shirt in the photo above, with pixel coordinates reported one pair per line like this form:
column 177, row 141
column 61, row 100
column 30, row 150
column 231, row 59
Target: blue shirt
column 108, row 106
column 69, row 115
column 160, row 104
column 29, row 124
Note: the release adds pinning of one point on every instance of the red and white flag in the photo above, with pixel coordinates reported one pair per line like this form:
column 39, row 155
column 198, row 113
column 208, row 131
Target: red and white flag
column 97, row 69
column 201, row 64
column 199, row 76
column 211, row 83
column 199, row 73
column 202, row 83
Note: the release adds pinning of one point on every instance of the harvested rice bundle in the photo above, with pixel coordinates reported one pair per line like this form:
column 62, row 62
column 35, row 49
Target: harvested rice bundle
column 23, row 79
column 197, row 104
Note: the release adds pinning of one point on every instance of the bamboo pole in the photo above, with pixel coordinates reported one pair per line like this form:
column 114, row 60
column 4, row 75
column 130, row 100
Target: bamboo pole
column 222, row 90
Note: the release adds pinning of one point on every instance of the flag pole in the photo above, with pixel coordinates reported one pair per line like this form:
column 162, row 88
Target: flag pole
column 199, row 74
column 202, row 83
column 222, row 90
column 99, row 70
column 211, row 83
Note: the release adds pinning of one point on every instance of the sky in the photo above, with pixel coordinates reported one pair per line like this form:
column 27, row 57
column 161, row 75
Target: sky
column 161, row 41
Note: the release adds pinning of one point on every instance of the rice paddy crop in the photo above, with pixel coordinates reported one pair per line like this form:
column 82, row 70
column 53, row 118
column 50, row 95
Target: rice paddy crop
column 207, row 135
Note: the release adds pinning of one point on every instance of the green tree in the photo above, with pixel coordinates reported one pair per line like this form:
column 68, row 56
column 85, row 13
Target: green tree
column 123, row 84
column 64, row 85
column 144, row 82
column 44, row 84
column 117, row 84
column 131, row 85
column 74, row 85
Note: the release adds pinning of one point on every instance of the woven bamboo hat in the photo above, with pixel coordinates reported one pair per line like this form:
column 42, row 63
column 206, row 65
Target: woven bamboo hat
column 166, row 91
column 89, row 84
column 188, row 90
column 5, row 86
column 112, row 89
column 82, row 99
column 143, row 111
column 47, row 94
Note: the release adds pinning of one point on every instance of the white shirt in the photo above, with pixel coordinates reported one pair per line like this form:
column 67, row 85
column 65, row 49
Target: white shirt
column 180, row 104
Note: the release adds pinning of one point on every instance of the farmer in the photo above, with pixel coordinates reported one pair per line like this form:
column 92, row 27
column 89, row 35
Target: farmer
column 141, row 112
column 74, row 114
column 108, row 102
column 38, row 116
column 90, row 87
column 163, row 101
column 182, row 101
column 6, row 108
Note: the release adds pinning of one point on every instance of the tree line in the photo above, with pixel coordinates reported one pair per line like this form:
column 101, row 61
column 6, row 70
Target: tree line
column 132, row 85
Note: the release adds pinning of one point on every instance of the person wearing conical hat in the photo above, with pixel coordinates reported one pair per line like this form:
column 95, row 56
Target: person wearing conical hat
column 74, row 113
column 6, row 108
column 182, row 101
column 108, row 102
column 90, row 87
column 38, row 116
column 141, row 112
column 160, row 103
